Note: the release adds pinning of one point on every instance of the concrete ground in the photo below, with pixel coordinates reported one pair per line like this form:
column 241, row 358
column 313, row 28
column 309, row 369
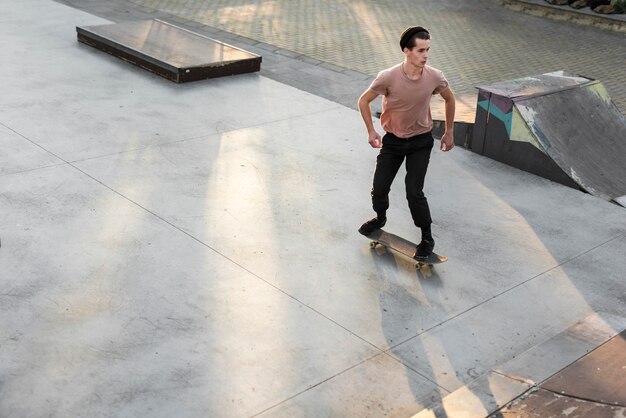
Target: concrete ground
column 191, row 250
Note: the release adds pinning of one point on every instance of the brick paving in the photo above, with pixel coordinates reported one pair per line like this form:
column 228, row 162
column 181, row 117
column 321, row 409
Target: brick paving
column 345, row 43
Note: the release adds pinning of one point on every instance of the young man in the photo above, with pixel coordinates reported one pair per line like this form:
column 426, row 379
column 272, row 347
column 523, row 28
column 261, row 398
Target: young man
column 406, row 89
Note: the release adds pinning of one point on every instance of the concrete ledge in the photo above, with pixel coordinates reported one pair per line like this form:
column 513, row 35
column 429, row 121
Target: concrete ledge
column 583, row 16
column 172, row 52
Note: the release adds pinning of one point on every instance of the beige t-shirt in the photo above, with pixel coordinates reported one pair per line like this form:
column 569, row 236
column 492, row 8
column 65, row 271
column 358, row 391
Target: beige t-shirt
column 406, row 102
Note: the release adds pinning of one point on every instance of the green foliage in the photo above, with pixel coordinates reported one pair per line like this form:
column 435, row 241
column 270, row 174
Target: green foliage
column 620, row 5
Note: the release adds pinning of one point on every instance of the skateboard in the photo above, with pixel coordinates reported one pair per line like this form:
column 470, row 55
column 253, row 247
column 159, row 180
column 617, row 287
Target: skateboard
column 404, row 247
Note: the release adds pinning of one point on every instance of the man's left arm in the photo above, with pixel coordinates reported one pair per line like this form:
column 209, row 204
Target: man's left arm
column 447, row 140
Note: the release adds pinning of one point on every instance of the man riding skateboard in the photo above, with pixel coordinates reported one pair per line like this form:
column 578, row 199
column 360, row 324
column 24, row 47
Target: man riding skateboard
column 407, row 89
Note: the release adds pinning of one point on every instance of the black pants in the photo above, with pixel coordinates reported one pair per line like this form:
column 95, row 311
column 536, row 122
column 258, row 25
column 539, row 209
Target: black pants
column 416, row 150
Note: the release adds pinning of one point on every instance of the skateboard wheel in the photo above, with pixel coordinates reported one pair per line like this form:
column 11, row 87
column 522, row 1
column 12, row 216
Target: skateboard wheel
column 418, row 266
column 373, row 244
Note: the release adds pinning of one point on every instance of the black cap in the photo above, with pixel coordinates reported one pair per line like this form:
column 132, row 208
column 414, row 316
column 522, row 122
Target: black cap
column 408, row 34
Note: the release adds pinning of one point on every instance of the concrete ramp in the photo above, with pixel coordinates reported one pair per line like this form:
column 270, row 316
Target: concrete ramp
column 562, row 127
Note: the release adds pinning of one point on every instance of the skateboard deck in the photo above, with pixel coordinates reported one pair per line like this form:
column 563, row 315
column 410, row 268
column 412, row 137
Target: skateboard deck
column 404, row 247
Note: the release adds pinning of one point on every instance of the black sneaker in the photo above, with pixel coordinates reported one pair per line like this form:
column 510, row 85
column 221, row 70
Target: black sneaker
column 372, row 225
column 424, row 249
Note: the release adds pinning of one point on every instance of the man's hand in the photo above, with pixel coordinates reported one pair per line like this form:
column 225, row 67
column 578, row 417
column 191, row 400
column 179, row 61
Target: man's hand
column 366, row 113
column 447, row 141
column 374, row 140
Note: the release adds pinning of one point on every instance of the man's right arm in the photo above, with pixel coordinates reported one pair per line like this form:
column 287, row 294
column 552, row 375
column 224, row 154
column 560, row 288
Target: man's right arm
column 366, row 113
